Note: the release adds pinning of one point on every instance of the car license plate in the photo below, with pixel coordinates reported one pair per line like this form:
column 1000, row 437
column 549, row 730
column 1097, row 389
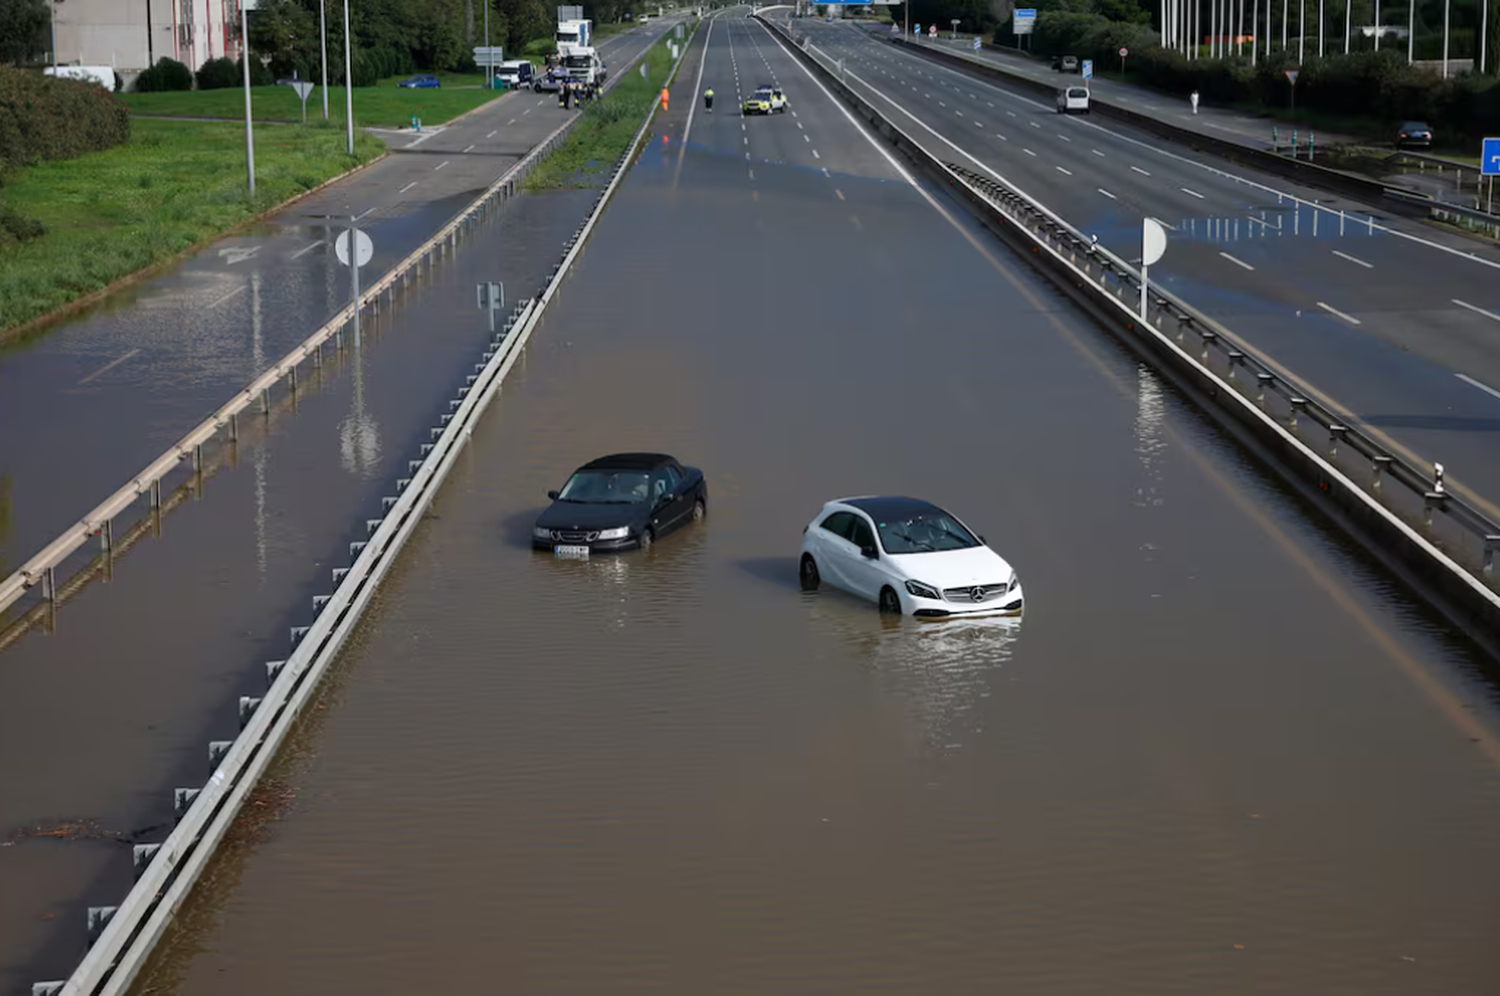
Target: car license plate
column 578, row 552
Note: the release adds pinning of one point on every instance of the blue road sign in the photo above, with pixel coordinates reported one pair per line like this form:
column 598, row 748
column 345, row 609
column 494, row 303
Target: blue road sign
column 1088, row 69
column 1489, row 159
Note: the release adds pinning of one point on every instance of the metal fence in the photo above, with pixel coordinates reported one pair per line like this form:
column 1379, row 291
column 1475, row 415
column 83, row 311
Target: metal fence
column 1402, row 511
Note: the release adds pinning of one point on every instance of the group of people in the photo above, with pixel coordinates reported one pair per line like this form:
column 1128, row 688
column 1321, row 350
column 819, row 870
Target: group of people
column 571, row 93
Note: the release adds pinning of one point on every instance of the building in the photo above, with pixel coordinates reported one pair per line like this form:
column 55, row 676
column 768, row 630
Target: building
column 130, row 35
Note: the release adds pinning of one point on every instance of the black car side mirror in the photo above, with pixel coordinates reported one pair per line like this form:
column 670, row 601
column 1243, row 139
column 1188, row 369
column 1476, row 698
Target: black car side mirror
column 552, row 495
column 869, row 552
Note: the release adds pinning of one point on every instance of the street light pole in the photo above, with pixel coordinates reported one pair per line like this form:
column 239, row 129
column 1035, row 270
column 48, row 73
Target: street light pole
column 1447, row 11
column 245, row 63
column 489, row 73
column 323, row 28
column 348, row 81
column 54, row 37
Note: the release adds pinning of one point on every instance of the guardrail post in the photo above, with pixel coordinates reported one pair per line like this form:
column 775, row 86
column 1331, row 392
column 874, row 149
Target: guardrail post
column 107, row 536
column 141, row 855
column 1299, row 405
column 234, row 428
column 216, row 751
column 1336, row 435
column 273, row 668
column 1208, row 340
column 99, row 917
column 265, row 401
column 182, row 798
column 48, row 988
column 1380, row 464
column 1430, row 501
column 248, row 705
column 198, row 459
column 1262, row 381
column 1491, row 544
column 297, row 633
column 156, row 493
column 291, row 376
column 1236, row 360
column 49, row 584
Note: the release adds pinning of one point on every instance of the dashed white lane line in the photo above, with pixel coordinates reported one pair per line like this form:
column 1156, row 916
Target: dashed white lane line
column 401, row 191
column 1065, row 138
column 806, row 138
column 469, row 149
column 1011, row 113
column 1065, row 172
column 941, row 104
column 527, row 111
column 840, row 193
column 825, row 171
column 1028, row 152
column 815, row 154
column 1140, row 171
column 306, row 249
column 441, row 165
column 1193, row 193
column 1237, row 262
column 114, row 363
column 1463, row 377
column 1106, row 193
column 978, row 123
column 1353, row 259
column 1097, row 153
column 1476, row 309
column 1334, row 311
column 959, row 113
column 799, row 125
column 497, row 130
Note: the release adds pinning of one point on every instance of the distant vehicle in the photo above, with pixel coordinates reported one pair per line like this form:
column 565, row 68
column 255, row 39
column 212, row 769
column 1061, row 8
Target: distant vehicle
column 1065, row 63
column 421, row 81
column 102, row 75
column 909, row 557
column 548, row 82
column 516, row 73
column 1073, row 98
column 766, row 100
column 1414, row 135
column 620, row 502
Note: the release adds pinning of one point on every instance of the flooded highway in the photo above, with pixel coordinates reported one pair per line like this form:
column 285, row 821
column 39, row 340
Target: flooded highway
column 1222, row 752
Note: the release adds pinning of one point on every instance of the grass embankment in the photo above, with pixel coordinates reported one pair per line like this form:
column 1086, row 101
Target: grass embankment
column 608, row 125
column 382, row 106
column 172, row 186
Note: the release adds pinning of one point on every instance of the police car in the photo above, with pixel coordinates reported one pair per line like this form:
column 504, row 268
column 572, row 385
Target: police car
column 766, row 100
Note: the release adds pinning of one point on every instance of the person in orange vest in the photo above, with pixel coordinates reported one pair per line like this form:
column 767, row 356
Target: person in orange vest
column 664, row 98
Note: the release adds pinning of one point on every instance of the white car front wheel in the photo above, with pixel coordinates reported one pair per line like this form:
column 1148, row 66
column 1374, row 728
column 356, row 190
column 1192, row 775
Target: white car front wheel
column 890, row 602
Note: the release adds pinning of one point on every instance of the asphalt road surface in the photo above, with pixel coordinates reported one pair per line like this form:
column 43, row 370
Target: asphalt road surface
column 107, row 392
column 1221, row 753
column 1398, row 326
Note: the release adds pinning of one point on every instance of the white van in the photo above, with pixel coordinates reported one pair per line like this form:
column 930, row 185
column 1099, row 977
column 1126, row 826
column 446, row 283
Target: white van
column 516, row 74
column 103, row 75
column 1073, row 98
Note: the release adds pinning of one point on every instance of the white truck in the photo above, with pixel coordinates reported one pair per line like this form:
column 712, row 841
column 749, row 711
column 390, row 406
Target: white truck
column 583, row 65
column 574, row 34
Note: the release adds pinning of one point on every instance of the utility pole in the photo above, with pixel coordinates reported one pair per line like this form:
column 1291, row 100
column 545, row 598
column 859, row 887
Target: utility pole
column 348, row 80
column 1447, row 22
column 323, row 28
column 489, row 73
column 54, row 36
column 150, row 41
column 245, row 63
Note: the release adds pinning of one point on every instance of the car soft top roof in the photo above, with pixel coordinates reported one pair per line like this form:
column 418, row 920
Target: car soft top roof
column 890, row 506
column 630, row 461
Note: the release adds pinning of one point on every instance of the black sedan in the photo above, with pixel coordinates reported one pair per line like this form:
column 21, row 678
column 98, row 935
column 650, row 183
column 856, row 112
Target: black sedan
column 1414, row 135
column 619, row 502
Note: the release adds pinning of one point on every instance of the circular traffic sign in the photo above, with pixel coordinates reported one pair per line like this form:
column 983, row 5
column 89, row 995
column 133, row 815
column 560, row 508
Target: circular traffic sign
column 1124, row 51
column 364, row 247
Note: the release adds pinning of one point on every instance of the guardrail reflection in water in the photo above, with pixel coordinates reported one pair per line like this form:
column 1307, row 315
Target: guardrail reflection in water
column 1404, row 515
column 122, row 938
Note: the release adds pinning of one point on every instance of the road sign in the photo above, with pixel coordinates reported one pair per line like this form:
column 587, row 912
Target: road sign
column 303, row 88
column 491, row 296
column 1124, row 51
column 1088, row 69
column 1023, row 20
column 491, row 55
column 1291, row 76
column 570, row 13
column 1489, row 159
column 1153, row 246
column 978, row 43
column 366, row 248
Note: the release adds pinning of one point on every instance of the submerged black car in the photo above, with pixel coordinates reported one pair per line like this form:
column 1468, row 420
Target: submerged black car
column 621, row 501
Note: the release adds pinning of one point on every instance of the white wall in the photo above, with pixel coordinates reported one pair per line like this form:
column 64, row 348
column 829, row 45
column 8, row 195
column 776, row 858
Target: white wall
column 113, row 32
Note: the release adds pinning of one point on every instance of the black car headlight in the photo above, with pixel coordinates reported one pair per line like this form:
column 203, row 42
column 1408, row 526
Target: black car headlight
column 921, row 590
column 619, row 532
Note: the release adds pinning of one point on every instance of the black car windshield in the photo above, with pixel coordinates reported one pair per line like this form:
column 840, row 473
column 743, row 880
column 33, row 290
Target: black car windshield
column 1414, row 126
column 608, row 487
column 925, row 532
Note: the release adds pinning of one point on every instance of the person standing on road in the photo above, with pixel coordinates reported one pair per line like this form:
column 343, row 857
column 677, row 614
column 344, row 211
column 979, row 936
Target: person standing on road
column 708, row 100
column 1194, row 99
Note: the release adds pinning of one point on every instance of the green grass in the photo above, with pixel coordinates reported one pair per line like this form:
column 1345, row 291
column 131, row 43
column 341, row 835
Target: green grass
column 172, row 186
column 382, row 106
column 608, row 125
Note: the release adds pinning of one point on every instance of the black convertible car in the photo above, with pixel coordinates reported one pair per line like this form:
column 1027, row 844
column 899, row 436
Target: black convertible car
column 621, row 501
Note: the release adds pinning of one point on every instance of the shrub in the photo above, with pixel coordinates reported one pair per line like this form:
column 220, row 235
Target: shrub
column 218, row 74
column 42, row 117
column 16, row 227
column 167, row 74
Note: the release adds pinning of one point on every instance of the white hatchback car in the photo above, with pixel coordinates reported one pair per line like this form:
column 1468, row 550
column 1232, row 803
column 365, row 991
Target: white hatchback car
column 1073, row 98
column 908, row 556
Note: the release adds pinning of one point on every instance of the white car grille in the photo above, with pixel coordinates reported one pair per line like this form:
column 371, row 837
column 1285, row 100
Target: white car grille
column 986, row 592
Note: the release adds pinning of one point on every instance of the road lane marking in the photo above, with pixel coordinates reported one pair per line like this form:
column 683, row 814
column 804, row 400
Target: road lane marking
column 1236, row 262
column 440, row 165
column 401, row 191
column 1140, row 171
column 855, row 219
column 1097, row 153
column 1476, row 309
column 1334, row 311
column 1463, row 377
column 1352, row 259
column 815, row 154
column 306, row 249
column 1065, row 138
column 826, row 173
column 497, row 131
column 807, row 138
column 1028, row 152
column 1065, row 172
column 1192, row 192
column 1106, row 193
column 469, row 149
column 114, row 363
column 527, row 111
column 225, row 297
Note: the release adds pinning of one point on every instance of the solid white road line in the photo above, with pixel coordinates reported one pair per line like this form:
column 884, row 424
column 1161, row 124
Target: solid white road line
column 1097, row 153
column 1334, row 311
column 1476, row 309
column 1352, row 259
column 1106, row 193
column 1065, row 172
column 1463, row 377
column 1028, row 152
column 1236, row 262
column 114, row 363
column 1192, row 192
column 1140, row 171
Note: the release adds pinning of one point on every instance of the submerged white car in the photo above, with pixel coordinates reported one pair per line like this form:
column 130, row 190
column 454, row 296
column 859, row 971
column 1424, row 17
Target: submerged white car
column 907, row 556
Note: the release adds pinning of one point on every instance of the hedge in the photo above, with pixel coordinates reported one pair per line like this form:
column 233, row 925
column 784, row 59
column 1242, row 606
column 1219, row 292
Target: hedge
column 43, row 117
column 167, row 74
column 224, row 74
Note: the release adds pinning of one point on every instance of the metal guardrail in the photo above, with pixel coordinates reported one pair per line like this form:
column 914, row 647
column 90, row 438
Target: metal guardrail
column 1418, row 527
column 99, row 521
column 123, row 937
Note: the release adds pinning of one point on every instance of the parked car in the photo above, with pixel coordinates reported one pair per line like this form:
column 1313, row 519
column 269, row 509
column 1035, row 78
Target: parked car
column 1073, row 98
column 421, row 81
column 909, row 557
column 620, row 502
column 1414, row 135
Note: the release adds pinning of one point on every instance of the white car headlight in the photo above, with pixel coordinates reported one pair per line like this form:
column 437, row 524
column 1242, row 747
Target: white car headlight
column 1015, row 581
column 614, row 534
column 539, row 533
column 921, row 590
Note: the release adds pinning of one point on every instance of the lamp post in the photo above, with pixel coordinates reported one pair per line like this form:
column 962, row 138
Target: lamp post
column 54, row 35
column 323, row 30
column 245, row 63
column 348, row 81
column 489, row 72
column 1447, row 21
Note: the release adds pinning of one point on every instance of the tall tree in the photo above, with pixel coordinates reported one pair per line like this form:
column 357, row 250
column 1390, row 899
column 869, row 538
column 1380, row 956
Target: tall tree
column 23, row 26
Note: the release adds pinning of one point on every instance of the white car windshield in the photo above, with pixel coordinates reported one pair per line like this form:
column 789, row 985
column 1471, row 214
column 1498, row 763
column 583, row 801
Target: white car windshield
column 925, row 532
column 608, row 487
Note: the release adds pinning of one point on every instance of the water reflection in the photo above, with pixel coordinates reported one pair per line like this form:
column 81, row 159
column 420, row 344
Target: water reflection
column 1151, row 443
column 359, row 433
column 942, row 667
